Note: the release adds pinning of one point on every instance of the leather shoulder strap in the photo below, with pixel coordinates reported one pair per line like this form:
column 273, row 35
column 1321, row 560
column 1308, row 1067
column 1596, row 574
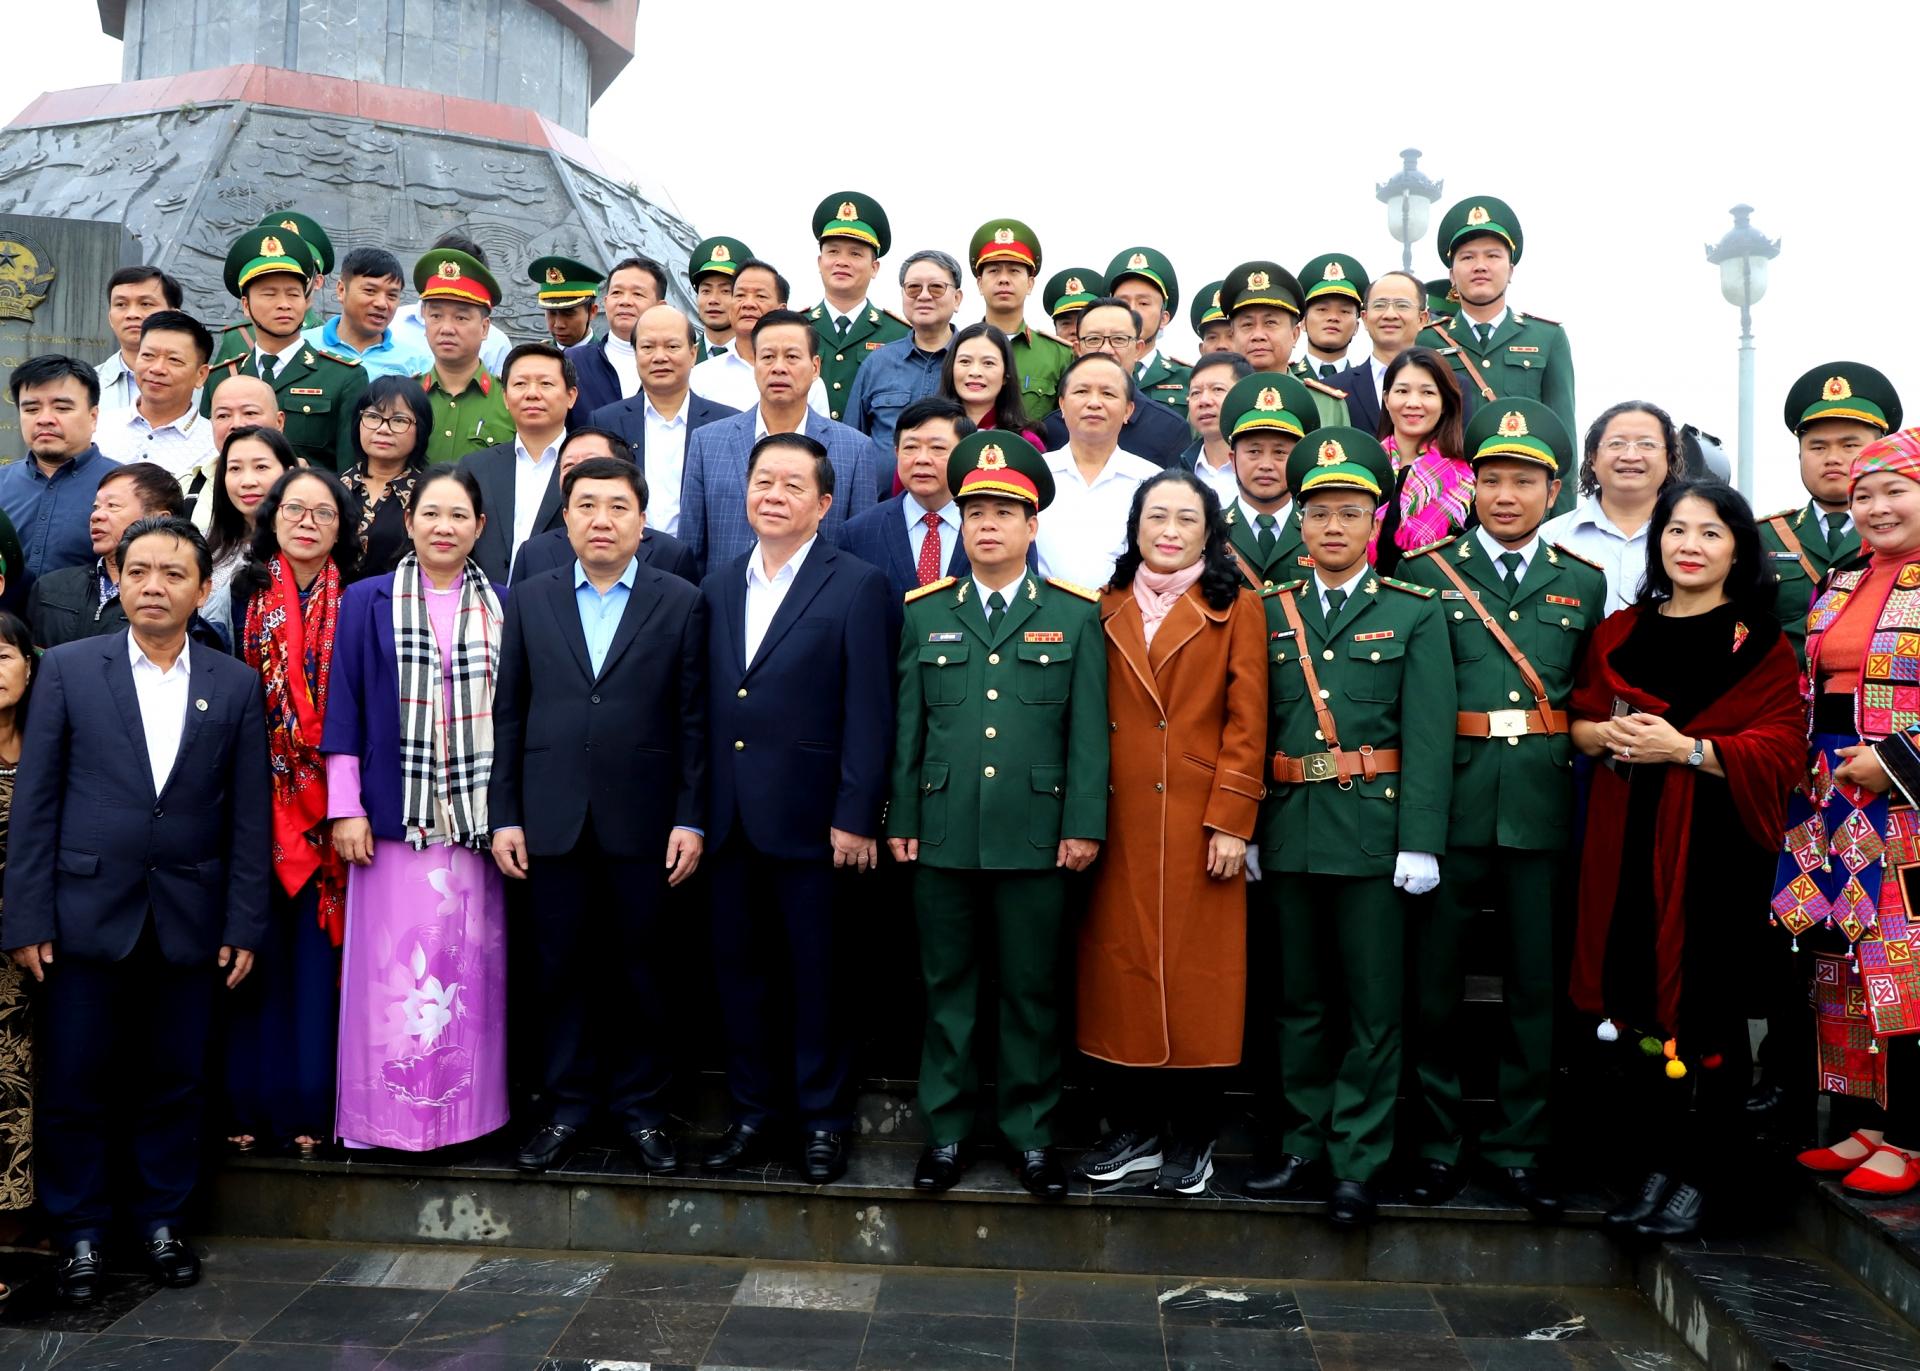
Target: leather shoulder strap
column 1321, row 713
column 1486, row 391
column 1507, row 645
column 1246, row 568
column 1791, row 542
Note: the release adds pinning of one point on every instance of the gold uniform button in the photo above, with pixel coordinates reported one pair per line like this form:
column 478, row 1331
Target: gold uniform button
column 1526, row 361
column 993, row 659
column 1487, row 362
column 988, row 773
column 1325, row 695
column 449, row 433
column 1318, row 734
column 739, row 745
column 992, row 733
column 1563, row 622
column 836, row 385
column 1459, row 614
column 1044, row 659
column 1513, row 742
column 1514, row 695
column 994, row 695
column 306, row 409
column 839, row 356
column 1269, row 585
column 1389, row 792
column 1514, row 615
column 741, row 693
column 1328, row 654
column 939, row 661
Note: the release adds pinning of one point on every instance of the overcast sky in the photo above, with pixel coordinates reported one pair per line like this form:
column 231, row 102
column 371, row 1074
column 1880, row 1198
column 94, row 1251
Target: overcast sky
column 1620, row 134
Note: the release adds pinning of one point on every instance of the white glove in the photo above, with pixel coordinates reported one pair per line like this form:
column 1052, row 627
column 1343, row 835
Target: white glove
column 1253, row 862
column 1416, row 872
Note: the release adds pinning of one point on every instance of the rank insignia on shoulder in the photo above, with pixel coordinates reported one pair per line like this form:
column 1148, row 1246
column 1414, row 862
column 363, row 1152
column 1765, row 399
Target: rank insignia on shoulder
column 1422, row 591
column 1573, row 600
column 1284, row 585
column 1537, row 318
column 1073, row 589
column 1044, row 636
column 928, row 589
column 1432, row 547
column 1315, row 383
column 946, row 637
column 1585, row 561
column 1373, row 637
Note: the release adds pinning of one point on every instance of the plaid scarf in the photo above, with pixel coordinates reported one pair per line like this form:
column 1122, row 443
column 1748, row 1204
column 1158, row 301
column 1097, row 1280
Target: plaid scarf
column 445, row 755
column 291, row 645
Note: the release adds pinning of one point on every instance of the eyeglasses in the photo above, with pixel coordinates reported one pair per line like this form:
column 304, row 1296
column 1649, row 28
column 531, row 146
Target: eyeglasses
column 323, row 515
column 1320, row 515
column 1097, row 341
column 932, row 291
column 392, row 423
column 1390, row 306
column 1646, row 447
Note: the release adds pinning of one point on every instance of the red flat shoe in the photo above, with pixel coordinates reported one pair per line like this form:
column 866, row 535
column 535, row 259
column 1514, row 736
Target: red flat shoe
column 1825, row 1159
column 1864, row 1182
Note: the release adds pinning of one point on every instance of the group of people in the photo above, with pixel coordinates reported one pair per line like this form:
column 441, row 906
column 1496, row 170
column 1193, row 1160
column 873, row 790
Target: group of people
column 1267, row 693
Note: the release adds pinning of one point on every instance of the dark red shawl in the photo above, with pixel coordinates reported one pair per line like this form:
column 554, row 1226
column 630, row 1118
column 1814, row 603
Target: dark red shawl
column 1758, row 731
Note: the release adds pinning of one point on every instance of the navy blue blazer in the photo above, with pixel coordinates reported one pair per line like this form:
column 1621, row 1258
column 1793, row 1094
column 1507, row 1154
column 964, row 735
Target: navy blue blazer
column 1154, row 432
column 626, row 748
column 493, row 468
column 1363, row 401
column 628, row 418
column 363, row 699
column 598, row 384
column 879, row 537
column 814, row 709
column 545, row 551
column 92, row 848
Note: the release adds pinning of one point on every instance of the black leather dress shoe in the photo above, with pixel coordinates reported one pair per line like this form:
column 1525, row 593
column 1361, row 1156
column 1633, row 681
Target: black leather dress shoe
column 1041, row 1173
column 1527, row 1185
column 548, row 1148
column 1765, row 1101
column 1679, row 1217
column 1294, row 1176
column 825, row 1157
column 1351, row 1204
column 655, row 1149
column 741, row 1145
column 1435, row 1182
column 76, row 1278
column 1653, row 1193
column 171, row 1258
column 940, row 1167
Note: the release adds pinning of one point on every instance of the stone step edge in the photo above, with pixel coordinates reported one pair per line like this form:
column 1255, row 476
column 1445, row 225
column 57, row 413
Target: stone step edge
column 1861, row 1247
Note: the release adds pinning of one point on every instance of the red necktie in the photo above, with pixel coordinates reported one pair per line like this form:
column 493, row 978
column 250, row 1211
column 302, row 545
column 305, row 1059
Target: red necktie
column 929, row 568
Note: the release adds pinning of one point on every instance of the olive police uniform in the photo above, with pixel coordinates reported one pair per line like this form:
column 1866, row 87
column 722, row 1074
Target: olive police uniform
column 1163, row 378
column 716, row 256
column 851, row 215
column 1342, row 805
column 1802, row 545
column 1001, row 753
column 475, row 416
column 315, row 387
column 1039, row 359
column 237, row 339
column 1513, row 800
column 1268, row 553
column 1269, row 284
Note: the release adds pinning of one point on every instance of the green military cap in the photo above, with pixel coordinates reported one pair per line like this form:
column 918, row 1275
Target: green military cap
column 1268, row 401
column 307, row 229
column 1205, row 308
column 1522, row 429
column 1261, row 283
column 1149, row 264
column 1481, row 215
column 263, row 250
column 449, row 274
column 1340, row 458
column 993, row 461
column 849, row 214
column 716, row 255
column 1441, row 298
column 1334, row 273
column 1072, row 290
column 1004, row 240
column 1843, row 390
column 563, row 282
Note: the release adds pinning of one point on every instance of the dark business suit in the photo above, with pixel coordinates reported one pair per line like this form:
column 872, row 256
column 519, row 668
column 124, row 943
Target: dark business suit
column 879, row 536
column 662, row 551
column 1155, row 432
column 138, row 888
column 799, row 741
column 628, row 418
column 599, row 383
column 1363, row 400
column 493, row 468
column 596, row 768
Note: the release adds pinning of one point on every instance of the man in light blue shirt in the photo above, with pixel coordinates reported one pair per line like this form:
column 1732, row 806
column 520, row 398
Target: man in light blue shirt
column 601, row 610
column 900, row 372
column 48, row 494
column 370, row 283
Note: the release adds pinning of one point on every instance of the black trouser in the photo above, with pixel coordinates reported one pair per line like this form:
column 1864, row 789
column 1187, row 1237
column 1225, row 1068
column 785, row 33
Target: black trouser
column 602, row 954
column 1693, row 1129
column 776, row 958
column 1169, row 1101
column 123, row 1060
column 1900, row 1120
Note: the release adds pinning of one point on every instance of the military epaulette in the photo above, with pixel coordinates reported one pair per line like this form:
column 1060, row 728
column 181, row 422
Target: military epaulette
column 896, row 319
column 1057, row 342
column 1176, row 362
column 1787, row 513
column 1073, row 589
column 229, row 328
column 1540, row 318
column 1424, row 592
column 340, row 357
column 1432, row 547
column 922, row 592
column 1584, row 561
column 1269, row 591
column 1315, row 383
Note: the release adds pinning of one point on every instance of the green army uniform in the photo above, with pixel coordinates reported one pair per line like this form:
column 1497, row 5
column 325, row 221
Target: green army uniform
column 236, row 339
column 1070, row 291
column 716, row 256
column 316, row 388
column 1273, row 553
column 475, row 416
column 1204, row 314
column 1335, row 821
column 1163, row 378
column 1332, row 275
column 1000, row 753
column 1260, row 282
column 561, row 283
column 842, row 349
column 1802, row 545
column 1513, row 802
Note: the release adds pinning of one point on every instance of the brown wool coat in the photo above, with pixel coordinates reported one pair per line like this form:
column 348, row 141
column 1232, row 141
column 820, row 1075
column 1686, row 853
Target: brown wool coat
column 1163, row 951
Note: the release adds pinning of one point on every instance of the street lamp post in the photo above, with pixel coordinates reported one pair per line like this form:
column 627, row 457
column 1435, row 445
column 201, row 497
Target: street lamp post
column 1408, row 197
column 1742, row 257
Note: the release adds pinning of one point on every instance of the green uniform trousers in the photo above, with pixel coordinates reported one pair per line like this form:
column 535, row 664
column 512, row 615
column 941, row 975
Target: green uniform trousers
column 1342, row 974
column 1028, row 913
column 1521, row 889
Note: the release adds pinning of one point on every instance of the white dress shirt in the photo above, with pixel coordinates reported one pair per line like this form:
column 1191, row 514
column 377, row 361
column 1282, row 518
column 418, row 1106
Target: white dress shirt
column 728, row 380
column 163, row 706
column 1222, row 478
column 1490, row 546
column 1352, row 584
column 1587, row 530
column 625, row 366
column 852, row 316
column 530, row 477
column 1008, row 592
column 118, row 389
column 1085, row 528
column 765, row 596
column 916, row 516
column 280, row 358
column 1492, row 325
column 666, row 463
column 183, row 445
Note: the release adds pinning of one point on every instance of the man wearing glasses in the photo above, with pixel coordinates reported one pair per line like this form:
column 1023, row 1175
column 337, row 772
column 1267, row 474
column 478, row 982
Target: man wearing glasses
column 1395, row 313
column 905, row 370
column 1112, row 327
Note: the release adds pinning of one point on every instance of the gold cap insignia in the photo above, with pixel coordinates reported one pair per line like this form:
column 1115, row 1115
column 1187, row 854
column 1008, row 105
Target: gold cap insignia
column 1837, row 389
column 291, row 226
column 991, row 458
column 449, row 271
column 1258, row 280
column 1478, row 215
column 270, row 247
column 1331, row 453
column 1137, row 262
column 847, row 212
column 1074, row 287
column 1003, row 236
column 1513, row 424
column 1216, row 299
column 1333, row 273
column 555, row 276
column 1268, row 399
column 720, row 253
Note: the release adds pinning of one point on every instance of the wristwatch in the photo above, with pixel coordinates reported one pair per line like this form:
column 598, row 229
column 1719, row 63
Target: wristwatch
column 1699, row 753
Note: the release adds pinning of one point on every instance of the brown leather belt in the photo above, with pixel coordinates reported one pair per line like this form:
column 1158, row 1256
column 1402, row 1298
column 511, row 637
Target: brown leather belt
column 1342, row 765
column 1507, row 723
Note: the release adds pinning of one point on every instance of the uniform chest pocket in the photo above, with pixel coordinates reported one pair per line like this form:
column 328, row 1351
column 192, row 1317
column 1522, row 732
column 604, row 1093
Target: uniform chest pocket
column 1042, row 672
column 1285, row 679
column 1374, row 669
column 1521, row 367
column 1465, row 631
column 1560, row 628
column 943, row 673
column 296, row 401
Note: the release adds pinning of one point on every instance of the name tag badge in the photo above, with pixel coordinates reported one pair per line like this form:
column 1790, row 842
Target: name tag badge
column 1453, row 594
column 1572, row 600
column 872, row 346
column 1784, row 556
column 306, row 390
column 1283, row 633
column 946, row 637
column 1514, row 347
column 1045, row 638
column 1373, row 637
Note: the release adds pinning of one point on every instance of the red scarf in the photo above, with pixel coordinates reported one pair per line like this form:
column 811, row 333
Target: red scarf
column 1758, row 731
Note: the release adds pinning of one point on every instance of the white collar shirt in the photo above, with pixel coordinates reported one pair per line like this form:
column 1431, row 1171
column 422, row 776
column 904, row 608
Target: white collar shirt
column 531, row 475
column 162, row 696
column 1588, row 531
column 666, row 462
column 765, row 596
column 1084, row 530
